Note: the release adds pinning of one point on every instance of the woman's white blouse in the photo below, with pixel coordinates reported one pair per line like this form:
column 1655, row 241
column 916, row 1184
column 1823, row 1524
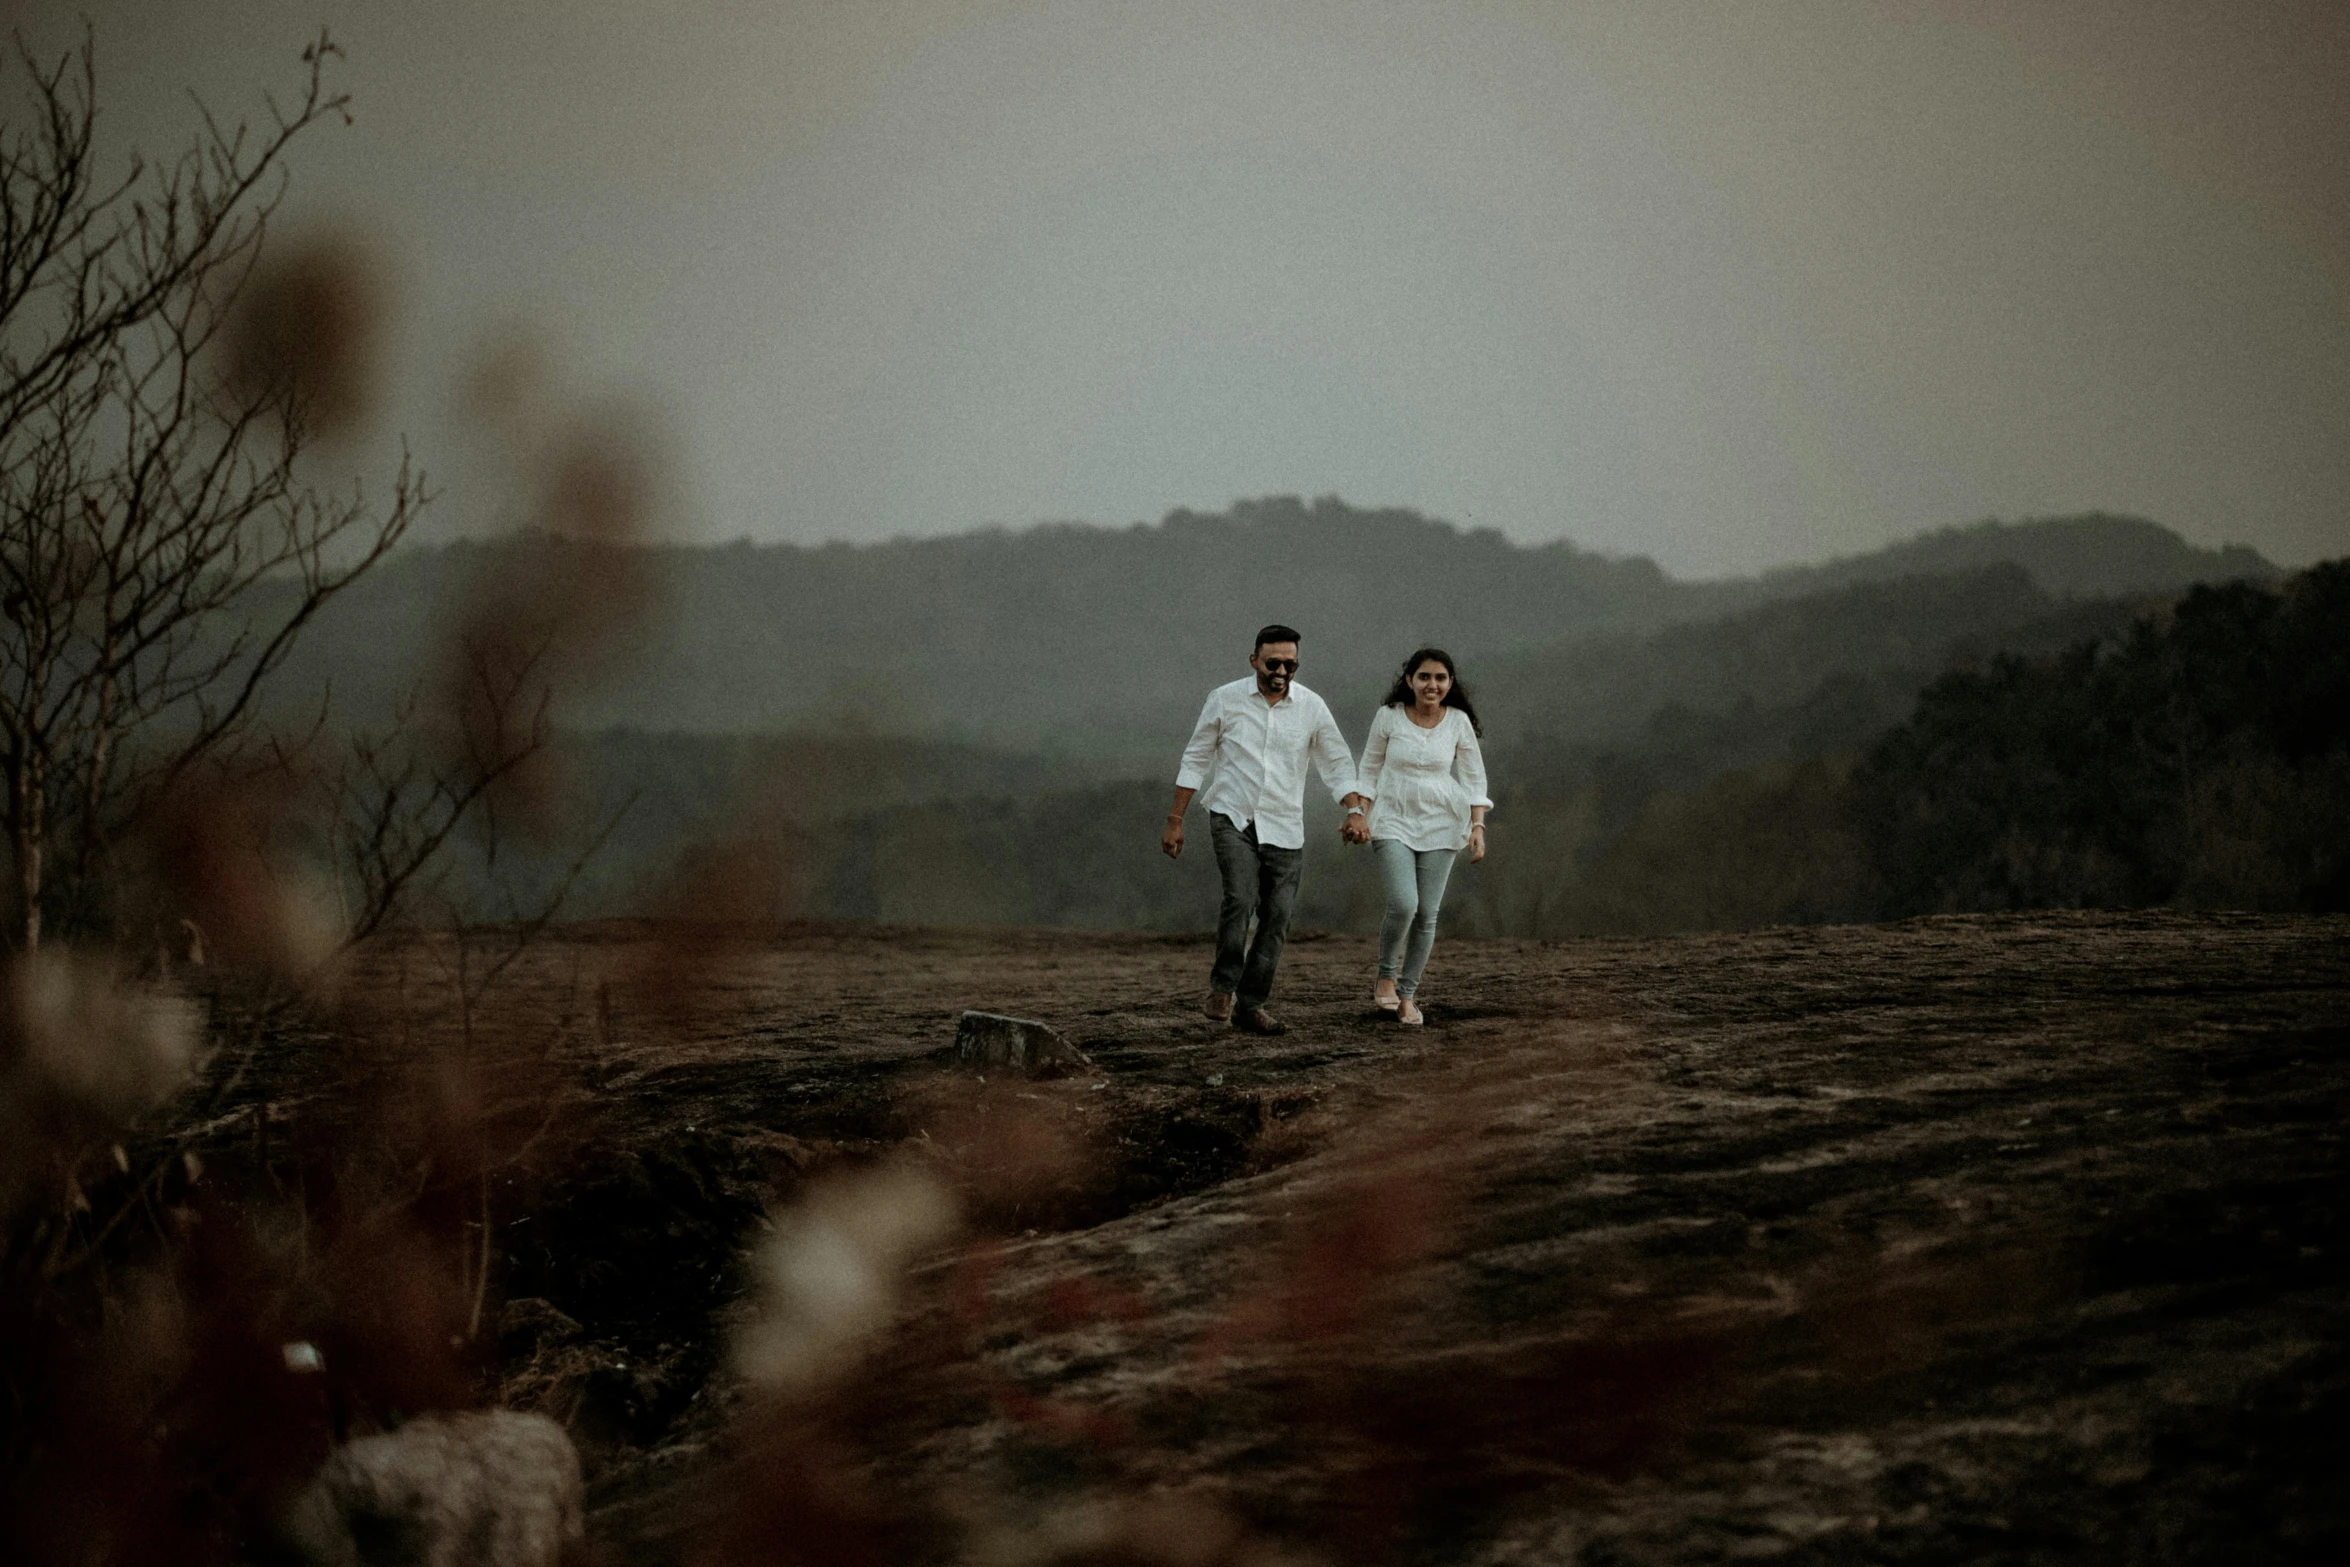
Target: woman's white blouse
column 1410, row 775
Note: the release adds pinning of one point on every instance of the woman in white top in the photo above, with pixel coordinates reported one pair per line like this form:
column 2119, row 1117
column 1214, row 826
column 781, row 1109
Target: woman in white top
column 1426, row 779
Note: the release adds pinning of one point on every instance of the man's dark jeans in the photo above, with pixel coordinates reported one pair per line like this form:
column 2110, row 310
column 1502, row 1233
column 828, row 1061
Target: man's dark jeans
column 1259, row 880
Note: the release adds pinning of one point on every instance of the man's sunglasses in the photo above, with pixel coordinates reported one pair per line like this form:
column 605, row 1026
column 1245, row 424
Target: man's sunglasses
column 1280, row 666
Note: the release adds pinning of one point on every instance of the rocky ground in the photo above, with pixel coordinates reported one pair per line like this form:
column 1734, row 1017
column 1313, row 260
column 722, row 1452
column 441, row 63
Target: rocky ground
column 1967, row 1239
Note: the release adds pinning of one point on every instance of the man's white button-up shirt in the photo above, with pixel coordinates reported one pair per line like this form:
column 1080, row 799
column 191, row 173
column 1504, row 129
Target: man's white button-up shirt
column 1258, row 750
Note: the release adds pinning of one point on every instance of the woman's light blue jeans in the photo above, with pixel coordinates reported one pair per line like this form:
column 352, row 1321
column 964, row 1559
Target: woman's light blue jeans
column 1415, row 881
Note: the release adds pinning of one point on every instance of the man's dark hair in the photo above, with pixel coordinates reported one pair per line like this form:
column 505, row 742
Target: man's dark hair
column 1274, row 634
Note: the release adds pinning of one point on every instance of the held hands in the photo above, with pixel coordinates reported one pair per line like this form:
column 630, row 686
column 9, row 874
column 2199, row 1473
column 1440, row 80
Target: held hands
column 1356, row 828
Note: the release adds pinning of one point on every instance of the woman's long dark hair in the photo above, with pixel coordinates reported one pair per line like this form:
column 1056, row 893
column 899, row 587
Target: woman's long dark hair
column 1400, row 694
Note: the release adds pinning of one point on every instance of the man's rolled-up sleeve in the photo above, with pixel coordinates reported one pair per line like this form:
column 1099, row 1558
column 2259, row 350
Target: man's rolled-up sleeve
column 1332, row 758
column 1200, row 754
column 1374, row 756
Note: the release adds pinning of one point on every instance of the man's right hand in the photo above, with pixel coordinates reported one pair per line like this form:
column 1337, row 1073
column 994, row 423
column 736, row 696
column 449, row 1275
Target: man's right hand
column 1171, row 840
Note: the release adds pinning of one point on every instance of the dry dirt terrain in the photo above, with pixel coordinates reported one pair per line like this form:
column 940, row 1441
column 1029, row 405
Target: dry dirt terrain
column 1967, row 1239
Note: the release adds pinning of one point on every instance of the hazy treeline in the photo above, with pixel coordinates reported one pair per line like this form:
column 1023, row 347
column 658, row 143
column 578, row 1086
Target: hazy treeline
column 2196, row 754
column 2202, row 758
column 1693, row 774
column 1794, row 678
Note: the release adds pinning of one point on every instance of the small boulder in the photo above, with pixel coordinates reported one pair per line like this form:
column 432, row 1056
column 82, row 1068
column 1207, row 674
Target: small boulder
column 492, row 1488
column 991, row 1042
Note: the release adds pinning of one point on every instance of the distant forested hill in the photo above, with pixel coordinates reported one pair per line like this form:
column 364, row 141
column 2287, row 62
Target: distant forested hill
column 2099, row 752
column 2093, row 556
column 1584, row 736
column 1023, row 638
column 1795, row 677
column 981, row 729
column 1072, row 639
column 2203, row 758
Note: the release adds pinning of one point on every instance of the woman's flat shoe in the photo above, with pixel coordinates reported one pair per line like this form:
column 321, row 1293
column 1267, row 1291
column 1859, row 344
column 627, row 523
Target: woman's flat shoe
column 1386, row 1003
column 1417, row 1018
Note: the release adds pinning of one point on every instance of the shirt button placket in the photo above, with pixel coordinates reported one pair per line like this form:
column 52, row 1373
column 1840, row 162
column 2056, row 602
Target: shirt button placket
column 1265, row 761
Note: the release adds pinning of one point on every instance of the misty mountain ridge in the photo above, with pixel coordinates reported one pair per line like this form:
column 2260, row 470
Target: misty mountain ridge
column 853, row 802
column 861, row 825
column 1780, row 680
column 2096, row 555
column 1071, row 637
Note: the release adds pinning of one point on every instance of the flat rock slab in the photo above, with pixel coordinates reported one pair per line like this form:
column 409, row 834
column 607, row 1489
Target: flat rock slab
column 2002, row 1238
column 991, row 1042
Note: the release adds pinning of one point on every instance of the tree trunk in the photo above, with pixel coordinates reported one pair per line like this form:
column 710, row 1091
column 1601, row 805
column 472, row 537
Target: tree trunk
column 31, row 800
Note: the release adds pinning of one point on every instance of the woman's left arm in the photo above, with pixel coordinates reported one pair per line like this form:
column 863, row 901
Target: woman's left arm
column 1469, row 760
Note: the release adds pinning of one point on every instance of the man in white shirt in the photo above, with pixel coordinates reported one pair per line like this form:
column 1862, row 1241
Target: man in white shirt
column 1257, row 733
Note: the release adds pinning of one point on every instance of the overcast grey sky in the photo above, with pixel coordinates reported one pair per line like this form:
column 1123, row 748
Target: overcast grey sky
column 1731, row 285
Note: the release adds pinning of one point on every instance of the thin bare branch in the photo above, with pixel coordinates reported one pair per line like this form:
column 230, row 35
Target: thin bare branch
column 160, row 551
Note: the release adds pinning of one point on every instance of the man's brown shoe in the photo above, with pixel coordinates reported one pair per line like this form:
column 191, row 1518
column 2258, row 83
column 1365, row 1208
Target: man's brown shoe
column 1256, row 1020
column 1218, row 1005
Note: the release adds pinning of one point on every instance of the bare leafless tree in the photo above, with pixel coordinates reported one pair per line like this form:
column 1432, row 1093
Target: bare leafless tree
column 160, row 547
column 393, row 799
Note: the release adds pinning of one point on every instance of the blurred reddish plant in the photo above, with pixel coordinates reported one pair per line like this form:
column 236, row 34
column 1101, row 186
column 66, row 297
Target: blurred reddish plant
column 308, row 331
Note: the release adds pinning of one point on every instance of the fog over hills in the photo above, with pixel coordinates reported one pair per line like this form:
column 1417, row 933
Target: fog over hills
column 981, row 729
column 1097, row 640
column 2078, row 557
column 1786, row 678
